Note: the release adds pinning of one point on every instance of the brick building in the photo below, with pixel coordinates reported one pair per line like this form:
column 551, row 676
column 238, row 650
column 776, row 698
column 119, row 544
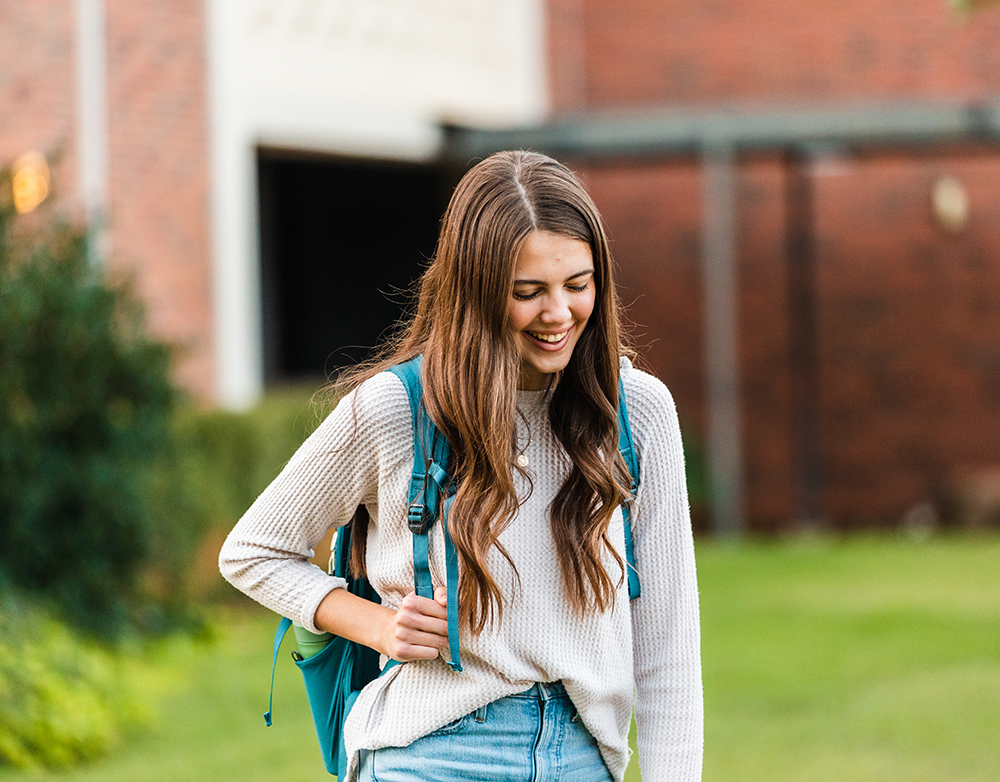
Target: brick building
column 236, row 147
column 907, row 316
column 142, row 162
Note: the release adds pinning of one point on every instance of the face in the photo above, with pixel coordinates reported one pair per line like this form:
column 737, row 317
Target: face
column 551, row 303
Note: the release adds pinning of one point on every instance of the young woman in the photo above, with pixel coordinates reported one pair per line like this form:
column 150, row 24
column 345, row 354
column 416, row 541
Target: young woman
column 517, row 321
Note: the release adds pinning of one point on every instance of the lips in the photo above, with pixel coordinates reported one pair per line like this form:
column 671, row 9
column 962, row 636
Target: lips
column 549, row 341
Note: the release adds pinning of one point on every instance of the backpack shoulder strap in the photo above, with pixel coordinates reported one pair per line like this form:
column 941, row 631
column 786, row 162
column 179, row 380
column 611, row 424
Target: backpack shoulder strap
column 430, row 496
column 626, row 447
column 279, row 636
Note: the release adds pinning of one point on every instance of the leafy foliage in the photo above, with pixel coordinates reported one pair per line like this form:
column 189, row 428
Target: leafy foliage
column 63, row 699
column 85, row 430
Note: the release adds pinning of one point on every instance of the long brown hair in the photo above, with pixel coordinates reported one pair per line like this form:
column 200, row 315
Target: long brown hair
column 471, row 370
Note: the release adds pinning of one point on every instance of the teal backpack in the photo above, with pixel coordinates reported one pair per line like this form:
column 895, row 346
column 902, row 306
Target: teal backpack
column 336, row 675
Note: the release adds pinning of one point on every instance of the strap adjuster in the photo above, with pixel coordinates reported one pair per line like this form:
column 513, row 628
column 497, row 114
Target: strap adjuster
column 418, row 519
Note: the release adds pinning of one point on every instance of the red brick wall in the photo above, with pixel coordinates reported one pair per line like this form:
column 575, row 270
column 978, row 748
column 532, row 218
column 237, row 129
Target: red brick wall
column 908, row 316
column 654, row 212
column 158, row 148
column 38, row 86
column 655, row 51
column 909, row 331
column 908, row 321
column 159, row 170
column 764, row 342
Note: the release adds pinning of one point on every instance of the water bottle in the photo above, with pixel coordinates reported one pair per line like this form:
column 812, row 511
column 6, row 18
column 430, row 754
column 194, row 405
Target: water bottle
column 307, row 643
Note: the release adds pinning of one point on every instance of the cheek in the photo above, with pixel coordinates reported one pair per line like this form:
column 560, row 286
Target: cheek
column 585, row 309
column 520, row 315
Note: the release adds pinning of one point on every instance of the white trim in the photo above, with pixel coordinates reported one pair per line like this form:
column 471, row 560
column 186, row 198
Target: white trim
column 530, row 20
column 236, row 284
column 92, row 112
column 344, row 128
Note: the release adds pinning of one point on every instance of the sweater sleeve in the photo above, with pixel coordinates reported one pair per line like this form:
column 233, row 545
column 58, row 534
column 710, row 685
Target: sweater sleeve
column 337, row 468
column 666, row 631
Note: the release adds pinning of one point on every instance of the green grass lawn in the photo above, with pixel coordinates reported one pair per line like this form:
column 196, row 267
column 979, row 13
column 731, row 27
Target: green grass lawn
column 850, row 660
column 866, row 659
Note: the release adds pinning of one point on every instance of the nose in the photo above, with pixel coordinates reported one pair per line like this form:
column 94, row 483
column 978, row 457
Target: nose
column 556, row 309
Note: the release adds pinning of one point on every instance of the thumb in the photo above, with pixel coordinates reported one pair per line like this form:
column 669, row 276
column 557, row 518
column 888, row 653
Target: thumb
column 441, row 595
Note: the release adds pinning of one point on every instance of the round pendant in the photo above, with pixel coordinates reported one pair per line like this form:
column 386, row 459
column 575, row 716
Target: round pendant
column 522, row 460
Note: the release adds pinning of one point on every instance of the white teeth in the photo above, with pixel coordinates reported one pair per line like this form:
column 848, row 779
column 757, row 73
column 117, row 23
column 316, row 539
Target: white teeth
column 553, row 338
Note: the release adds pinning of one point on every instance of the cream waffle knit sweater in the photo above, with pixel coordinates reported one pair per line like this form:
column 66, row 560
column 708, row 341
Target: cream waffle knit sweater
column 649, row 649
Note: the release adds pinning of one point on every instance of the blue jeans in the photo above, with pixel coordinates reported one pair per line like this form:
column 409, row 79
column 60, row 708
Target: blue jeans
column 534, row 736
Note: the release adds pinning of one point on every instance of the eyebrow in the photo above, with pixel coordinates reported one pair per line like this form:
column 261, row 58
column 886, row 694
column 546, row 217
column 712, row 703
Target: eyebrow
column 542, row 282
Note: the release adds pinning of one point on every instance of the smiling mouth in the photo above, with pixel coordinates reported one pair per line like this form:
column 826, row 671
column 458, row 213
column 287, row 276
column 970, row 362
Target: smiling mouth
column 552, row 339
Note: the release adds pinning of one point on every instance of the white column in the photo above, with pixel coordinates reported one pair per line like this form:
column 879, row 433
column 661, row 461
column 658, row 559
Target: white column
column 233, row 209
column 92, row 113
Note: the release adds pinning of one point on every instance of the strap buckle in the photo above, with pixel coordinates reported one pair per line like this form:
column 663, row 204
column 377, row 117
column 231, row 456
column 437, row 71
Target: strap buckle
column 418, row 518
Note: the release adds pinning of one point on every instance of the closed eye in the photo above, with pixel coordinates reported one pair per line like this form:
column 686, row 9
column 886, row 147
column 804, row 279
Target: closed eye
column 574, row 288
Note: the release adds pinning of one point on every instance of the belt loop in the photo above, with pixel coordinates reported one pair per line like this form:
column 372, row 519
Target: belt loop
column 543, row 691
column 481, row 713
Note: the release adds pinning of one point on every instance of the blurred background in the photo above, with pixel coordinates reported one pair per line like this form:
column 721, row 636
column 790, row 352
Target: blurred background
column 804, row 206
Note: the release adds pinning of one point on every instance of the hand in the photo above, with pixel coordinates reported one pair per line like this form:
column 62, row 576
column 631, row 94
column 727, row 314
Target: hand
column 419, row 629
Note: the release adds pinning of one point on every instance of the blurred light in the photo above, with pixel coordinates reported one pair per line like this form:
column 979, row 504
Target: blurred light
column 951, row 204
column 31, row 181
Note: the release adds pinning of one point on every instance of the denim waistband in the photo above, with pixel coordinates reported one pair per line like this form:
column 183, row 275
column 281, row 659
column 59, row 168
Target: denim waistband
column 542, row 691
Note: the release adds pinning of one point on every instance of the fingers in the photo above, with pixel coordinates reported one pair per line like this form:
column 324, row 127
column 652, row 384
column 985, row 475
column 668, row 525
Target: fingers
column 441, row 595
column 422, row 614
column 419, row 629
column 423, row 606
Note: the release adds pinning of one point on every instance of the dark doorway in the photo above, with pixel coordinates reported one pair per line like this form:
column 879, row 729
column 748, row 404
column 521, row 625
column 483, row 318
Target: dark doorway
column 342, row 242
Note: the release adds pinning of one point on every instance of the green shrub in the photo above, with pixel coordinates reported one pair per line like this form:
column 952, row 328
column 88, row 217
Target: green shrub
column 86, row 402
column 229, row 458
column 62, row 699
